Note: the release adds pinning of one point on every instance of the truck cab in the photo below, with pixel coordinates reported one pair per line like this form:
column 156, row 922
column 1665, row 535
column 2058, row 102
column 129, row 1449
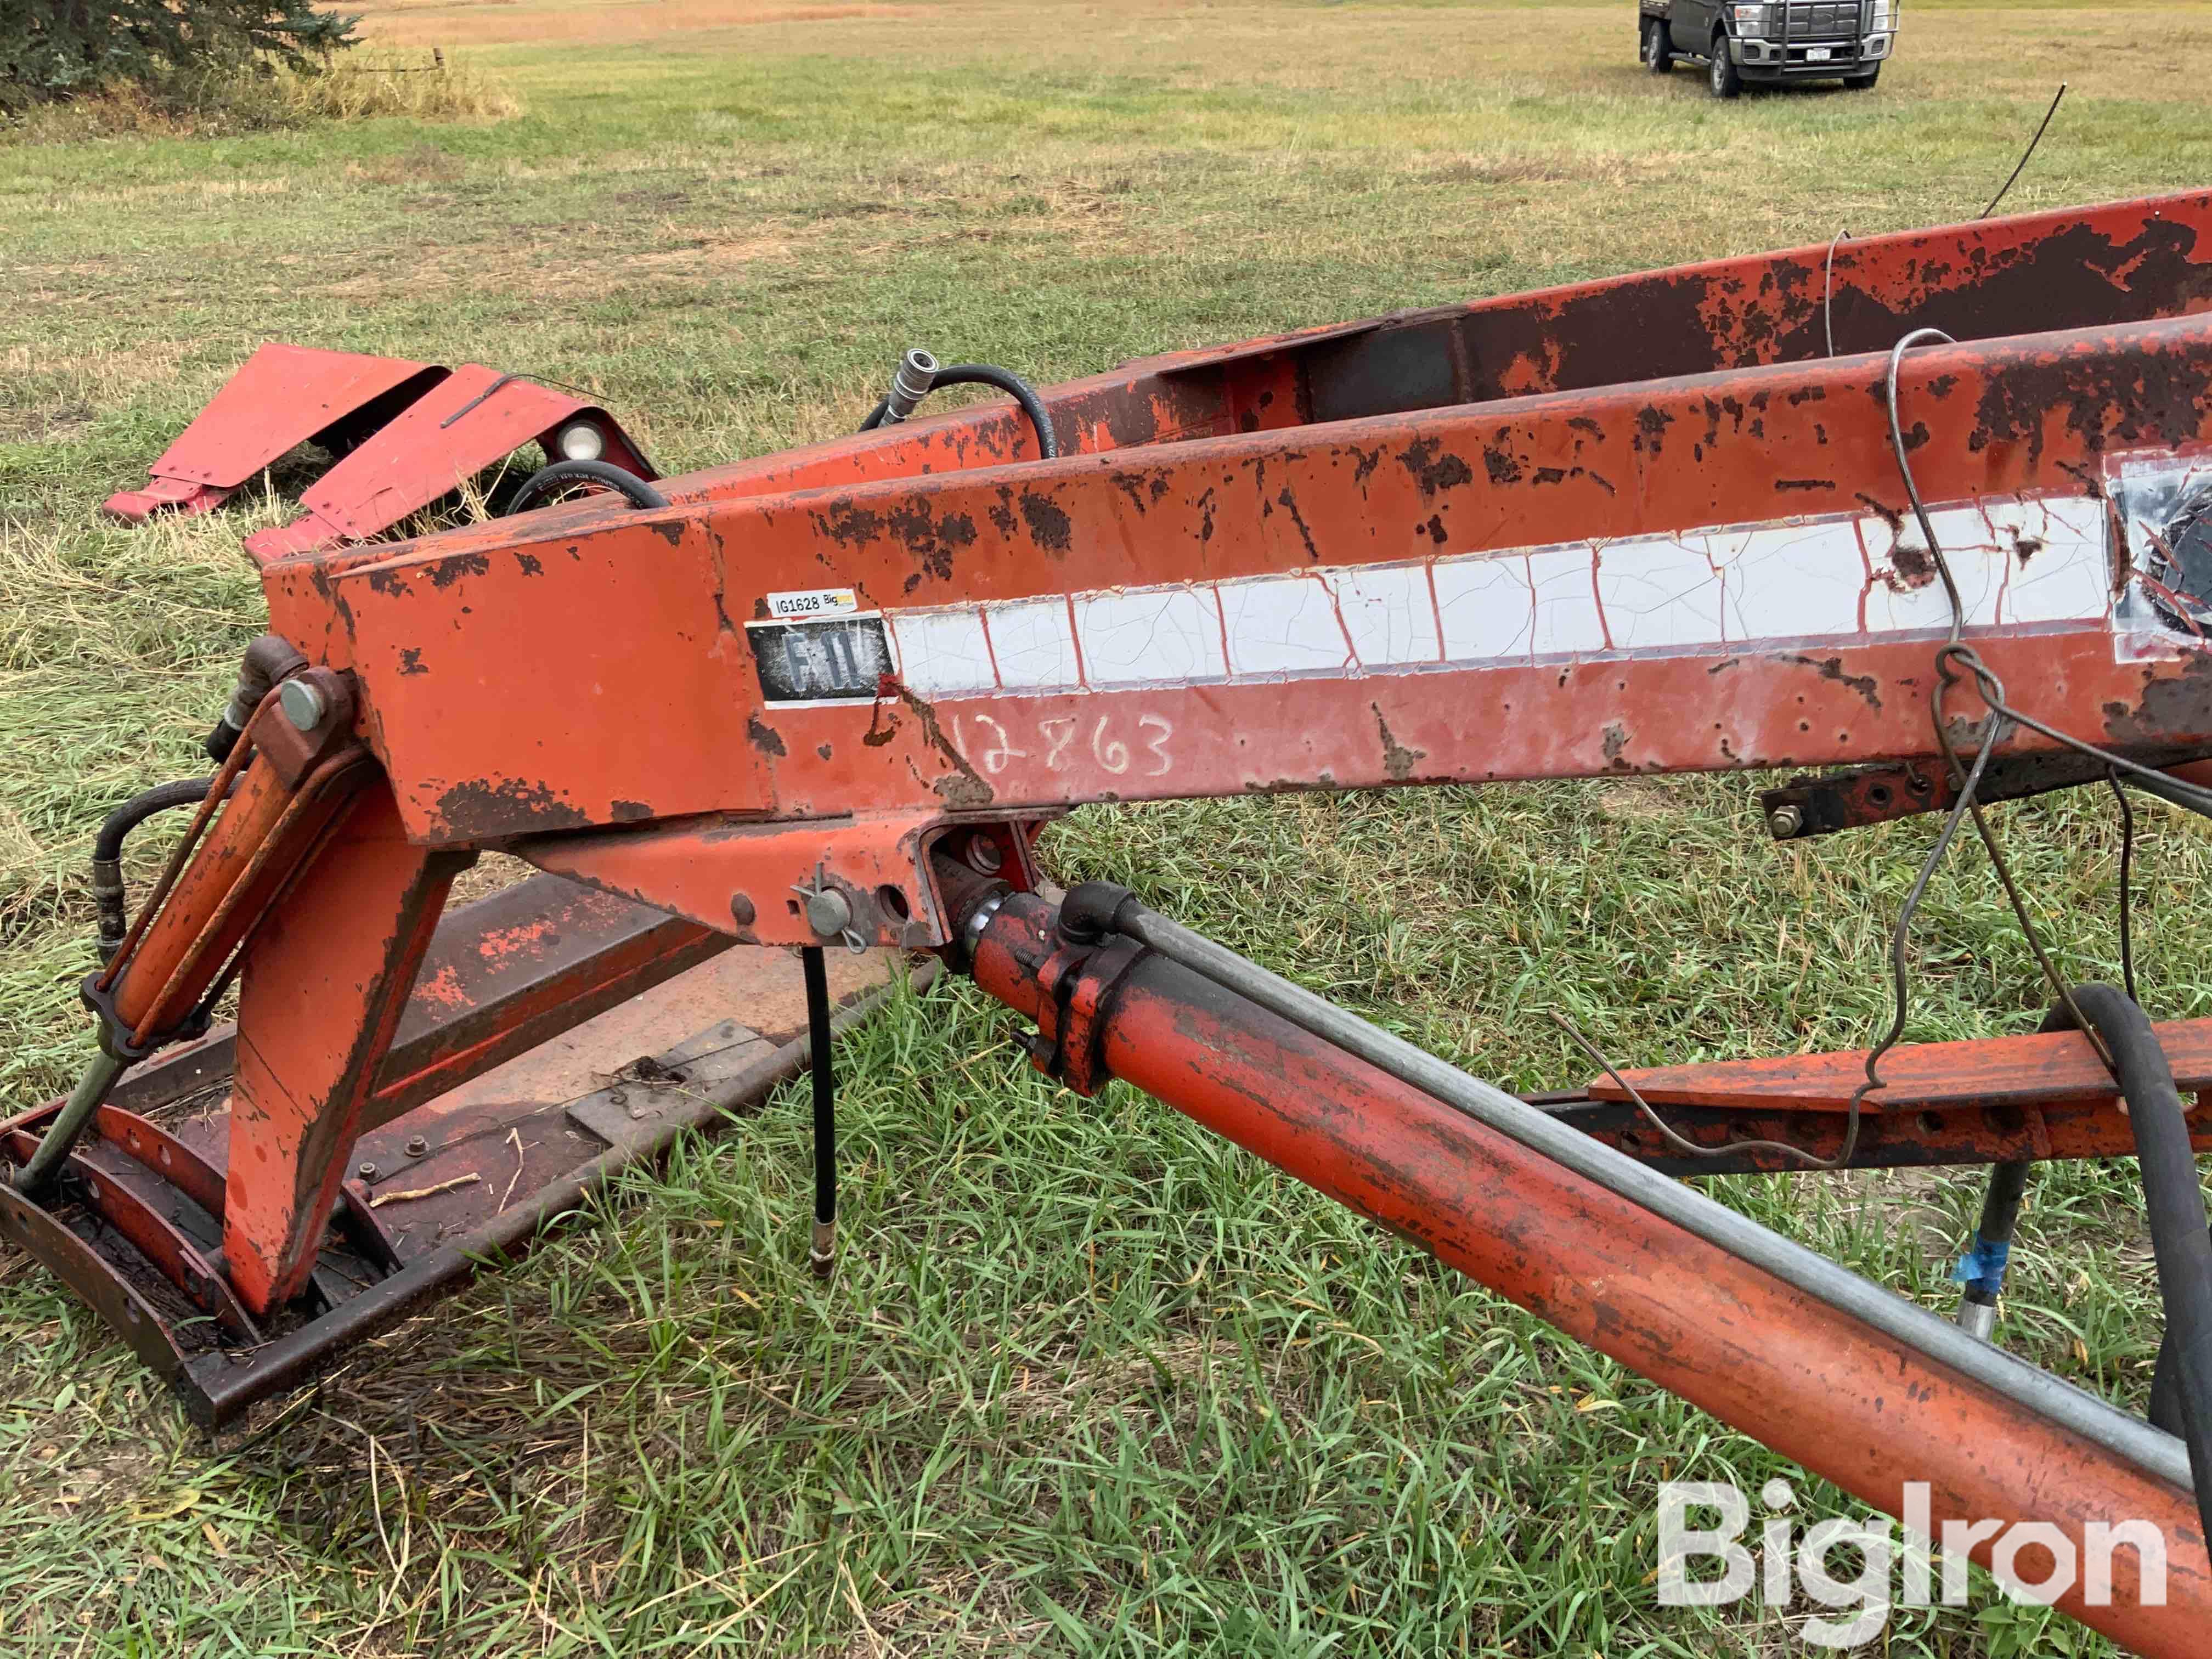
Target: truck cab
column 1769, row 41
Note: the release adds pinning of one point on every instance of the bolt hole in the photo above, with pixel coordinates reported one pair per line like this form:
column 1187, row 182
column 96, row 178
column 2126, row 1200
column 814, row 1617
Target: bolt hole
column 791, row 905
column 165, row 1158
column 893, row 902
column 1878, row 795
column 1931, row 1123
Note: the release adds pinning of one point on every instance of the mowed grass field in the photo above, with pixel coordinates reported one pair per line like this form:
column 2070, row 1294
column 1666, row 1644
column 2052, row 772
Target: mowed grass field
column 1087, row 1380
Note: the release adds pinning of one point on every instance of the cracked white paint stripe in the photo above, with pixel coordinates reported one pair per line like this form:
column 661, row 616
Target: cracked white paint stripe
column 2017, row 561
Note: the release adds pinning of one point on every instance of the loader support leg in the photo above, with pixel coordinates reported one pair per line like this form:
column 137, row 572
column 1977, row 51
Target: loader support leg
column 1849, row 1402
column 325, row 978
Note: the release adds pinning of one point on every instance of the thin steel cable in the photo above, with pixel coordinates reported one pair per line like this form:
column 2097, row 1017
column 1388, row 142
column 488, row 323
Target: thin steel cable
column 2000, row 716
column 1828, row 291
column 1900, row 986
column 2025, row 153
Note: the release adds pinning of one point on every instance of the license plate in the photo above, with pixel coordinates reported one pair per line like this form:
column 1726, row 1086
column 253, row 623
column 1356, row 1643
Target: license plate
column 1816, row 54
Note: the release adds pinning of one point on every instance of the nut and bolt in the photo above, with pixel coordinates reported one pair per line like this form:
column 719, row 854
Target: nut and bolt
column 984, row 856
column 1785, row 822
column 416, row 1146
column 304, row 704
column 367, row 1172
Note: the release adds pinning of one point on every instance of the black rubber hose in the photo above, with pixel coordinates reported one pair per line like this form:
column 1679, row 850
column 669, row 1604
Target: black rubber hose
column 268, row 660
column 819, row 1033
column 2000, row 1205
column 546, row 480
column 107, row 890
column 988, row 375
column 2181, row 1238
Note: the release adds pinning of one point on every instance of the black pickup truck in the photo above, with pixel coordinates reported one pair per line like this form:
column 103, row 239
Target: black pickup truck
column 1769, row 40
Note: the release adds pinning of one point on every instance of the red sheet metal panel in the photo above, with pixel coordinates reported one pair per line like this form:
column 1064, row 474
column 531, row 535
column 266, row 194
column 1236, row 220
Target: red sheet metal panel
column 281, row 396
column 475, row 419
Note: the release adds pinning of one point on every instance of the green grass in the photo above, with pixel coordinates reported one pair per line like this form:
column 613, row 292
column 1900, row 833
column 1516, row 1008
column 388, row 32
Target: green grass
column 1088, row 1380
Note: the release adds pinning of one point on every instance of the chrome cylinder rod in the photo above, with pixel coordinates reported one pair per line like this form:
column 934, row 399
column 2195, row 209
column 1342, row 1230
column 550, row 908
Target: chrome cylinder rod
column 37, row 1177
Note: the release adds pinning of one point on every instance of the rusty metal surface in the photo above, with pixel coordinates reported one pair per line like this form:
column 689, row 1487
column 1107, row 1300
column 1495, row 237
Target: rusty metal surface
column 326, row 977
column 2033, row 1069
column 506, row 973
column 1886, row 1140
column 219, row 1396
column 574, row 623
column 472, row 420
column 153, row 1235
column 1856, row 796
column 157, row 1336
column 531, row 1131
column 1632, row 526
column 1847, row 1402
column 509, row 1128
column 744, row 878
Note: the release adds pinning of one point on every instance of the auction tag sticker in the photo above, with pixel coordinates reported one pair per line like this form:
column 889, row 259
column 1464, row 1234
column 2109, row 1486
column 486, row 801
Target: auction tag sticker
column 814, row 602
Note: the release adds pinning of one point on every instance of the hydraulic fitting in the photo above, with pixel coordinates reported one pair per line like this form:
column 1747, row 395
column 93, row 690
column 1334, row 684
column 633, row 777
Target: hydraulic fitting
column 916, row 373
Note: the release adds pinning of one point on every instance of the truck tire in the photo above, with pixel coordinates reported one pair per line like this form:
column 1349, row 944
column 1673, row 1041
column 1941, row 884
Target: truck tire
column 1723, row 80
column 1861, row 82
column 1658, row 49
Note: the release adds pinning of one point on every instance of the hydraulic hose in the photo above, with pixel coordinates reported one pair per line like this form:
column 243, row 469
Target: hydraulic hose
column 543, row 481
column 268, row 660
column 107, row 889
column 980, row 375
column 822, row 1254
column 2180, row 1237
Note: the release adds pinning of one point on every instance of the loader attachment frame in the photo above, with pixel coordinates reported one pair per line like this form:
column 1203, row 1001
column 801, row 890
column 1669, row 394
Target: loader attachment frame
column 827, row 699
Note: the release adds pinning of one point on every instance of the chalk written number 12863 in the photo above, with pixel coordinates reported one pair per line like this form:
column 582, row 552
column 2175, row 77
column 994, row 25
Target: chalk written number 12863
column 1063, row 740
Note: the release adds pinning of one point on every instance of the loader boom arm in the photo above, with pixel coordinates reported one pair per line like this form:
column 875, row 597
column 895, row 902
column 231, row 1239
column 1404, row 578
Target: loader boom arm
column 1646, row 525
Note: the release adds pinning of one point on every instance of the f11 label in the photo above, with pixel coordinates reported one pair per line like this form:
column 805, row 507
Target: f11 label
column 821, row 659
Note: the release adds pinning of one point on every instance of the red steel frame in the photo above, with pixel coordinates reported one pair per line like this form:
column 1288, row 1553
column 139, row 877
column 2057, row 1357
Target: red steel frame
column 1641, row 524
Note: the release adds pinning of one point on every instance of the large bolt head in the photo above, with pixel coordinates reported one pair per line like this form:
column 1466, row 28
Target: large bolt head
column 304, row 704
column 829, row 912
column 1785, row 822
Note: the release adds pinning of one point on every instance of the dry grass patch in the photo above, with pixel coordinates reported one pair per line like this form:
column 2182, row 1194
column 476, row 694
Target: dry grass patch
column 356, row 86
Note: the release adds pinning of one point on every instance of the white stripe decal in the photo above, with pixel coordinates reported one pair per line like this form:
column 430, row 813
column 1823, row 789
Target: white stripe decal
column 2017, row 561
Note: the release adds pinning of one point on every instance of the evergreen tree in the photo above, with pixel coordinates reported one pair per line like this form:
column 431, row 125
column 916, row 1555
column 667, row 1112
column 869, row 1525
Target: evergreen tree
column 53, row 49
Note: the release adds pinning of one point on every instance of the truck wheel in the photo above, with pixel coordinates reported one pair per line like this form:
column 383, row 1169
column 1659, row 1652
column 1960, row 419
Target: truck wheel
column 1861, row 82
column 1658, row 50
column 1723, row 82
